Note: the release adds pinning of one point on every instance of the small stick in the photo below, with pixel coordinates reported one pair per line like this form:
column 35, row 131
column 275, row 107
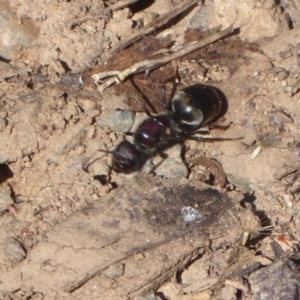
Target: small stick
column 152, row 26
column 149, row 65
column 287, row 172
column 117, row 6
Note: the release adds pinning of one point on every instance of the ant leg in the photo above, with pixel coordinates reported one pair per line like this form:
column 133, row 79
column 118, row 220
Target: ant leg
column 129, row 133
column 146, row 99
column 167, row 107
column 206, row 139
column 163, row 98
column 87, row 163
column 135, row 97
column 204, row 130
column 163, row 156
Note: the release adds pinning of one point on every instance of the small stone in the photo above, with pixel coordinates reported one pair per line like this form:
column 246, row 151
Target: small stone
column 87, row 105
column 61, row 102
column 3, row 123
column 114, row 271
column 254, row 89
column 124, row 13
column 282, row 75
column 288, row 200
column 13, row 249
column 146, row 16
column 91, row 132
column 119, row 121
column 190, row 214
column 94, row 113
column 288, row 88
column 121, row 27
column 196, row 271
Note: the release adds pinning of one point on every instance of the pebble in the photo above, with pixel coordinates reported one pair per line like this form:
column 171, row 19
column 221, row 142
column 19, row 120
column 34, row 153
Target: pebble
column 13, row 34
column 14, row 249
column 119, row 121
column 87, row 105
column 3, row 123
column 114, row 271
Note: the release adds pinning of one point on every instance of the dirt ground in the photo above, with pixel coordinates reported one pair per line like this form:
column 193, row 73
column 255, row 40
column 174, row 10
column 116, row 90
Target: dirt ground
column 214, row 219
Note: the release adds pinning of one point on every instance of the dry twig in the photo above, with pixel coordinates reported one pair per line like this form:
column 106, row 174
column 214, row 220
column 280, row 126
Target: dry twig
column 287, row 172
column 149, row 65
column 152, row 26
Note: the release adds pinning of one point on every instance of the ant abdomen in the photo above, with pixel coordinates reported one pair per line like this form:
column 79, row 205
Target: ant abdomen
column 196, row 106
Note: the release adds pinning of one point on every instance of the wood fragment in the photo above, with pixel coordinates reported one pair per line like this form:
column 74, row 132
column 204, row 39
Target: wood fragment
column 149, row 65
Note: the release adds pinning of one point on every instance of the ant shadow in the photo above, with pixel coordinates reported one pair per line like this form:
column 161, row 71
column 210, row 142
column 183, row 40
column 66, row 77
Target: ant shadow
column 5, row 173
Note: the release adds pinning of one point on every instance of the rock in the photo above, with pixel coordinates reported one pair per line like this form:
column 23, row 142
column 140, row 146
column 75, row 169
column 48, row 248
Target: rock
column 13, row 249
column 14, row 35
column 114, row 271
column 120, row 27
column 194, row 272
column 119, row 121
column 279, row 280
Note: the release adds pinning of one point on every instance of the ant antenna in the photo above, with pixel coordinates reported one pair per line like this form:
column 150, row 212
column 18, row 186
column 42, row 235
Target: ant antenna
column 144, row 97
column 87, row 164
column 176, row 80
column 207, row 139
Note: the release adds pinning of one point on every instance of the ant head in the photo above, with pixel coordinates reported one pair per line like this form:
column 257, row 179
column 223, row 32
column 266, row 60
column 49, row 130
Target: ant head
column 126, row 158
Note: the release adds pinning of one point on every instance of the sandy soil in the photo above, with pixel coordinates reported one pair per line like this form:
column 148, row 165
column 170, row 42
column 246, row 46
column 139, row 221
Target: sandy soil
column 211, row 221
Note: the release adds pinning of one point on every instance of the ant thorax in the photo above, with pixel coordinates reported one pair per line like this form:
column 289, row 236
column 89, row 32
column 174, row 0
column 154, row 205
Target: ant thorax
column 154, row 133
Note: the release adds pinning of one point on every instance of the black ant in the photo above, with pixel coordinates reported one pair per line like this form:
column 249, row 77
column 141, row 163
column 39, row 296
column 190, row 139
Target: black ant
column 190, row 109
